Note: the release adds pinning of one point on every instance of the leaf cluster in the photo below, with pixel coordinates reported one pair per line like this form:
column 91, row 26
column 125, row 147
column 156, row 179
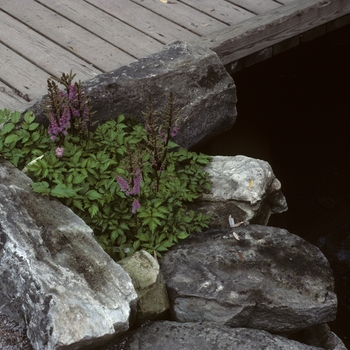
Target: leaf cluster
column 84, row 179
column 21, row 140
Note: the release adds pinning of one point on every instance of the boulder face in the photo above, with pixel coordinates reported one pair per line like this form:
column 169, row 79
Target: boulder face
column 144, row 270
column 243, row 187
column 270, row 279
column 54, row 277
column 204, row 93
column 204, row 336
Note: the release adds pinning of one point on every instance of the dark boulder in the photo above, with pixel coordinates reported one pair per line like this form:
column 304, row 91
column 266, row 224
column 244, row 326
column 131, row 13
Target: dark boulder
column 270, row 279
column 203, row 336
column 205, row 94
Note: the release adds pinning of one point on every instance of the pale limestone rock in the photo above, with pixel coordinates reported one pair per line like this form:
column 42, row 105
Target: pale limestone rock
column 243, row 187
column 149, row 284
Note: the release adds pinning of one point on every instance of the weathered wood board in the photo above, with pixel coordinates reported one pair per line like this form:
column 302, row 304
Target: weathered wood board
column 41, row 51
column 123, row 36
column 184, row 15
column 39, row 38
column 265, row 30
column 67, row 34
column 144, row 20
column 28, row 79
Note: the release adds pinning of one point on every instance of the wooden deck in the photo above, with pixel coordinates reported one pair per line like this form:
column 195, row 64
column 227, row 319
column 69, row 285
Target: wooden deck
column 40, row 38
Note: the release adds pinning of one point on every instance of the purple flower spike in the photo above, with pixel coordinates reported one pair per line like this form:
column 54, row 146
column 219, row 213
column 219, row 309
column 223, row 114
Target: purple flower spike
column 59, row 152
column 72, row 92
column 137, row 182
column 135, row 205
column 124, row 186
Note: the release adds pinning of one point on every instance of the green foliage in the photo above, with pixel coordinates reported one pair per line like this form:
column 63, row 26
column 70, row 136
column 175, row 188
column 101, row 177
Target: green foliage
column 23, row 142
column 85, row 179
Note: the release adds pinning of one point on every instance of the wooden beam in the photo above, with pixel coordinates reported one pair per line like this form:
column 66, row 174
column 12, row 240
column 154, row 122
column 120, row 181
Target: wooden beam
column 265, row 30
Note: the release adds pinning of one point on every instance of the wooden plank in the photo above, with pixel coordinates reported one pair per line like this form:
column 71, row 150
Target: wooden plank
column 220, row 9
column 313, row 33
column 22, row 75
column 82, row 43
column 184, row 15
column 338, row 23
column 119, row 34
column 286, row 2
column 275, row 26
column 286, row 45
column 257, row 7
column 145, row 20
column 41, row 51
column 9, row 99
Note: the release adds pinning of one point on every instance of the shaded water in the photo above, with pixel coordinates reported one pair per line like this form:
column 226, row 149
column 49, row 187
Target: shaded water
column 293, row 111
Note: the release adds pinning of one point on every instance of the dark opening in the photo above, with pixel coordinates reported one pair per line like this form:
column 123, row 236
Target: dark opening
column 293, row 111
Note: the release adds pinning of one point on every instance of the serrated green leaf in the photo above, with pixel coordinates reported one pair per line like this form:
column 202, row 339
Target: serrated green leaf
column 33, row 126
column 153, row 223
column 29, row 117
column 161, row 238
column 120, row 118
column 15, row 117
column 136, row 245
column 114, row 236
column 162, row 248
column 79, row 178
column 93, row 195
column 11, row 138
column 78, row 204
column 62, row 191
column 143, row 237
column 7, row 128
column 41, row 187
column 35, row 136
column 93, row 210
column 182, row 235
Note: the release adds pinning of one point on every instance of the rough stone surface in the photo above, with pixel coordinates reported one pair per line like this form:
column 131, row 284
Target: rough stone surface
column 144, row 270
column 204, row 92
column 270, row 279
column 243, row 187
column 203, row 336
column 321, row 336
column 54, row 278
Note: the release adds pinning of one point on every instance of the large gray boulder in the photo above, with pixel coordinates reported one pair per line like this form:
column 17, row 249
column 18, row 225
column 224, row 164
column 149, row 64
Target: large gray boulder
column 204, row 336
column 270, row 279
column 205, row 94
column 54, row 277
column 243, row 187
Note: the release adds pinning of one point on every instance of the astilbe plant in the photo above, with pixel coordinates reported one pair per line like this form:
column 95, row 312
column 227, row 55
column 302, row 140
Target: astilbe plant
column 128, row 182
column 68, row 109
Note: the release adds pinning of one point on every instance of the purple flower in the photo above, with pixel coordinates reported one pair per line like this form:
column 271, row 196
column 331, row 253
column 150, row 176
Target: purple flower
column 72, row 92
column 124, row 186
column 135, row 205
column 137, row 182
column 59, row 124
column 59, row 152
column 174, row 131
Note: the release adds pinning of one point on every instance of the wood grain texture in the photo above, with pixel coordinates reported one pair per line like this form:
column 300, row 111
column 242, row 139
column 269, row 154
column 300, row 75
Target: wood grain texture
column 41, row 51
column 266, row 30
column 257, row 7
column 112, row 30
column 145, row 20
column 221, row 10
column 186, row 16
column 8, row 98
column 63, row 32
column 22, row 75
